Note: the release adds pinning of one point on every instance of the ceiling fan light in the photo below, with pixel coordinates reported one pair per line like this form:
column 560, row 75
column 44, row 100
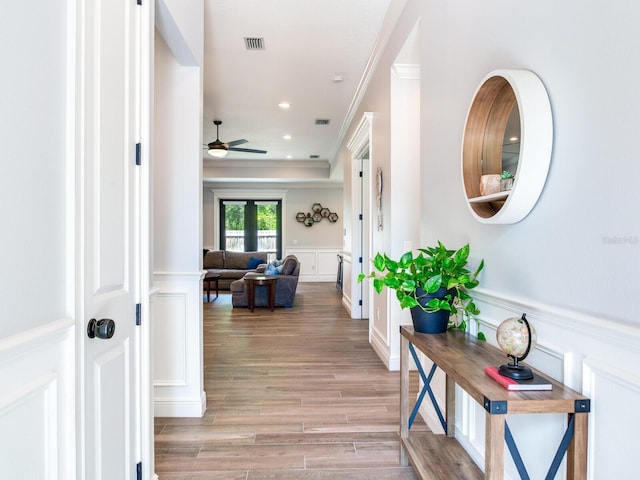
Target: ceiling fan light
column 217, row 152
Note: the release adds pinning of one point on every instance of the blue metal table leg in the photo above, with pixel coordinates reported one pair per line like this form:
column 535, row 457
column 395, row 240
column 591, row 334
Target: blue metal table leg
column 562, row 449
column 557, row 459
column 515, row 454
column 425, row 389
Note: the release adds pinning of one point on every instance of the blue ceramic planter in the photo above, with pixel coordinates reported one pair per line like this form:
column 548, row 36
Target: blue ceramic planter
column 425, row 322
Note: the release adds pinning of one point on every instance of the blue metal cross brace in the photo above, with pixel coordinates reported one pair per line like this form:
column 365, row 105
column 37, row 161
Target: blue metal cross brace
column 425, row 389
column 553, row 469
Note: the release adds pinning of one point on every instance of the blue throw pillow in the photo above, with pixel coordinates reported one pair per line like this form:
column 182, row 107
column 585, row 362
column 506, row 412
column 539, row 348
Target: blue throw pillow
column 273, row 268
column 254, row 262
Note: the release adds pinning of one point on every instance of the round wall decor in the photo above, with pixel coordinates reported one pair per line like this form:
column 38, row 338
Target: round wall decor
column 506, row 147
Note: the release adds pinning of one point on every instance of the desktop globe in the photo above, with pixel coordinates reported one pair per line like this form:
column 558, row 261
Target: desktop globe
column 516, row 337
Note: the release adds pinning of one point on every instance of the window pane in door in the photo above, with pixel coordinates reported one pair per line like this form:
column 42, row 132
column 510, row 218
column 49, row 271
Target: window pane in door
column 267, row 216
column 234, row 214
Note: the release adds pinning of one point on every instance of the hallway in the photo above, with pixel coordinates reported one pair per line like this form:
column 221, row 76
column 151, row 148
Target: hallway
column 294, row 394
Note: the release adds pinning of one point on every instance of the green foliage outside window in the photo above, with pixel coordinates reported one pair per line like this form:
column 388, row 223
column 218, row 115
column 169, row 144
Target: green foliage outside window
column 234, row 217
column 267, row 217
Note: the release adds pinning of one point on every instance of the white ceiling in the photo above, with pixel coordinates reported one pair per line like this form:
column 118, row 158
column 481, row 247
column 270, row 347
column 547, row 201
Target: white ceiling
column 308, row 43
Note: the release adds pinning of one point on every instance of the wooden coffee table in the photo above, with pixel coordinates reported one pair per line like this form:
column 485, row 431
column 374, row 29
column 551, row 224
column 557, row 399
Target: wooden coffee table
column 210, row 277
column 268, row 281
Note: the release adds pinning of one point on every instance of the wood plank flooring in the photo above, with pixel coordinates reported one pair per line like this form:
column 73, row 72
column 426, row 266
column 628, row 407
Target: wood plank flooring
column 295, row 394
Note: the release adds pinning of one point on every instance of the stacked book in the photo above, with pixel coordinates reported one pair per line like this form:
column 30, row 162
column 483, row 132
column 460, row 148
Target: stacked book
column 535, row 383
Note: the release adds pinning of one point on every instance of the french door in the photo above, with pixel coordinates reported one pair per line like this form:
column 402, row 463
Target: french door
column 251, row 225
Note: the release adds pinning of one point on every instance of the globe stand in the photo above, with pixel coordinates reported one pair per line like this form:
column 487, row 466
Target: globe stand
column 515, row 370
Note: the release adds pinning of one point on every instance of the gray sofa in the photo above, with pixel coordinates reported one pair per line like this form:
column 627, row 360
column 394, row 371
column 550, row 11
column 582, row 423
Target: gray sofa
column 231, row 265
column 285, row 287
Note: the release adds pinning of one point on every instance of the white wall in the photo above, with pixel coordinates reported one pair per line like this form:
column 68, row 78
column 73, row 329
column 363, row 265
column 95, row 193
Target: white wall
column 316, row 247
column 182, row 28
column 323, row 234
column 177, row 163
column 37, row 326
column 33, row 132
column 582, row 59
column 177, row 202
column 572, row 263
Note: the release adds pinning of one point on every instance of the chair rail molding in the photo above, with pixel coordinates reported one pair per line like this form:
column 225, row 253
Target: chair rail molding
column 38, row 396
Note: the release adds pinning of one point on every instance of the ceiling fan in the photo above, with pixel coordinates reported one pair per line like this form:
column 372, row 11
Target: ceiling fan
column 219, row 149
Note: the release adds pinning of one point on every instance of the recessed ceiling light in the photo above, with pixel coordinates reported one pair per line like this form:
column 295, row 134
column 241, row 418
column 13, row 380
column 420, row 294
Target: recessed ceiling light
column 284, row 105
column 289, row 157
column 287, row 137
column 513, row 139
column 338, row 78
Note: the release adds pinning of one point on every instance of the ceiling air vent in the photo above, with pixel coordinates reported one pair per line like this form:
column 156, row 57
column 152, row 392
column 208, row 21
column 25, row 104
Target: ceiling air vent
column 322, row 121
column 314, row 156
column 254, row 43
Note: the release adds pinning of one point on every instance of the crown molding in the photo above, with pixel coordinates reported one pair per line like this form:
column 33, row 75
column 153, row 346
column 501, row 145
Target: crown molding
column 388, row 25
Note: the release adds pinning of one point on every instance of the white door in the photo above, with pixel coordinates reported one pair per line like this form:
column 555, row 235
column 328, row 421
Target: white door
column 108, row 253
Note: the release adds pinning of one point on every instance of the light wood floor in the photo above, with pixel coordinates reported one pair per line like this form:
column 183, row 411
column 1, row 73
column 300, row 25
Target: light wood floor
column 294, row 394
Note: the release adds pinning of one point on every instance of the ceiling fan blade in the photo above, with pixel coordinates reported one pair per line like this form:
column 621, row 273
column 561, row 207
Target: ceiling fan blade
column 237, row 142
column 248, row 150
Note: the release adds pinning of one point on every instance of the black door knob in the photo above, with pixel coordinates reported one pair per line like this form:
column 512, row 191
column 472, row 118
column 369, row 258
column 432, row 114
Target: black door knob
column 103, row 328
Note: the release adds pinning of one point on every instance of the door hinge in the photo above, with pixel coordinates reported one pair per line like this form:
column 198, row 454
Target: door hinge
column 360, row 174
column 139, row 2
column 139, row 471
column 360, row 217
column 138, row 314
column 138, row 154
column 360, row 302
column 359, row 259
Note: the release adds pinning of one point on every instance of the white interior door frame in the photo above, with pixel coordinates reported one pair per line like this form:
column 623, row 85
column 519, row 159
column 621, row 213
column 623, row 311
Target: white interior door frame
column 360, row 146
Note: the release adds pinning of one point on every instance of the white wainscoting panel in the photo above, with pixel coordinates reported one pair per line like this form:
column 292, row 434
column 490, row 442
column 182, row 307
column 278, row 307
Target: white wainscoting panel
column 37, row 403
column 614, row 420
column 170, row 340
column 177, row 347
column 317, row 264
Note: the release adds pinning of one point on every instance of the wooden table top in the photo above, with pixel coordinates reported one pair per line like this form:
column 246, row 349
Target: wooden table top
column 260, row 277
column 463, row 358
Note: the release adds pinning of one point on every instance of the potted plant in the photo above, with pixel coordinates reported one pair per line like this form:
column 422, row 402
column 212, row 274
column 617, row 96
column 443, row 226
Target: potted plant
column 434, row 284
column 506, row 180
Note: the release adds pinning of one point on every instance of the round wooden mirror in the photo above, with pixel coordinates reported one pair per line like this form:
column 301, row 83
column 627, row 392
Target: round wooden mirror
column 508, row 133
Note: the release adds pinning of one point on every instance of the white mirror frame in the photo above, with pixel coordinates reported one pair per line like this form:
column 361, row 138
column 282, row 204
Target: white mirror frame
column 536, row 140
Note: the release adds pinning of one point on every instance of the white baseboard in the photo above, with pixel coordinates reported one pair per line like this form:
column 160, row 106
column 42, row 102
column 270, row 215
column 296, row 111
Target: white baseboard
column 180, row 407
column 384, row 352
column 317, row 278
column 346, row 303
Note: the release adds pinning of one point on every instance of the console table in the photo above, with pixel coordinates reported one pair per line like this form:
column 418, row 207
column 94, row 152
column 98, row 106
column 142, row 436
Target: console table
column 463, row 358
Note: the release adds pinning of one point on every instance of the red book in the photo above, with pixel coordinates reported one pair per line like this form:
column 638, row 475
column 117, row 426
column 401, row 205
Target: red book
column 536, row 383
